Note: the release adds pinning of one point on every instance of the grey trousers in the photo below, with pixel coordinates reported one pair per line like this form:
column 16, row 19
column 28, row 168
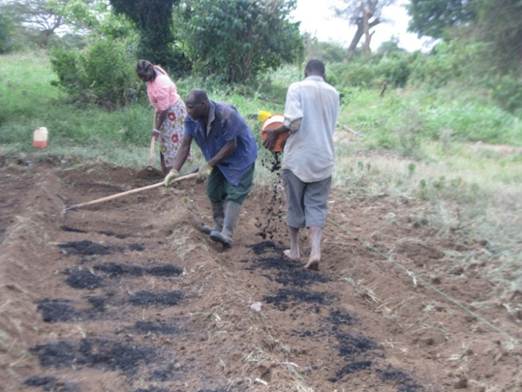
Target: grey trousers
column 307, row 201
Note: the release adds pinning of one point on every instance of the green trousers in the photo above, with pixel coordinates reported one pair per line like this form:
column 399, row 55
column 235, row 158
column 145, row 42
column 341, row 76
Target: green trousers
column 220, row 190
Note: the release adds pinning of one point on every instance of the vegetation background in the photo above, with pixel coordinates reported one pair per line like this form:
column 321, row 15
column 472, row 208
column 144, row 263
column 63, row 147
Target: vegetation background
column 443, row 128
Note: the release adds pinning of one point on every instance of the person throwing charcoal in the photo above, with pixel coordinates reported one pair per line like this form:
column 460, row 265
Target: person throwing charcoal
column 311, row 111
column 230, row 151
column 169, row 114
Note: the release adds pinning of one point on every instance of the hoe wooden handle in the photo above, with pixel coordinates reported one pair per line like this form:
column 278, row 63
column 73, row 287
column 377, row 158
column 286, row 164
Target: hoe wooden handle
column 127, row 193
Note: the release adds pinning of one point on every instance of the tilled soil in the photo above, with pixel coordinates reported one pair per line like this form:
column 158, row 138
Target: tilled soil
column 130, row 296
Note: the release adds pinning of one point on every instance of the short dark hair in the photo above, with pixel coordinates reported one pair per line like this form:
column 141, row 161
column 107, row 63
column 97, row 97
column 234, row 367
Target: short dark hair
column 198, row 96
column 315, row 66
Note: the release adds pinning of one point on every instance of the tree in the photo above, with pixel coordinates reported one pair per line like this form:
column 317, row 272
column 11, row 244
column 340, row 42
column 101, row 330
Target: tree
column 6, row 29
column 44, row 16
column 434, row 17
column 499, row 26
column 238, row 39
column 366, row 14
column 153, row 18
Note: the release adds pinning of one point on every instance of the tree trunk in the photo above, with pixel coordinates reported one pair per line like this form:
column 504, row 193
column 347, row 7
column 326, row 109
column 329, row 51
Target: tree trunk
column 366, row 29
column 356, row 38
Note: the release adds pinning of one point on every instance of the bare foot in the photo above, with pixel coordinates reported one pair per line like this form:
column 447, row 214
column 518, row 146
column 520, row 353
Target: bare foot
column 292, row 255
column 313, row 264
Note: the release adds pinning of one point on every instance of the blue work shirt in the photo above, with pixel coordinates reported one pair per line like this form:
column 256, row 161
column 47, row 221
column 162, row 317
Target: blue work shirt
column 224, row 125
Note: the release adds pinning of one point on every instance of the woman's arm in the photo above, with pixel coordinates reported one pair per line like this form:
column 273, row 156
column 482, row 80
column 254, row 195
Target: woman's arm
column 161, row 115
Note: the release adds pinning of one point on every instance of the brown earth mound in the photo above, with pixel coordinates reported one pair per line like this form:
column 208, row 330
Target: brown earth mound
column 130, row 296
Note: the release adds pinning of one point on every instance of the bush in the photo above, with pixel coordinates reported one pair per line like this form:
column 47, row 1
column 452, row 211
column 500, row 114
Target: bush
column 103, row 73
column 393, row 69
column 6, row 29
column 507, row 91
column 237, row 39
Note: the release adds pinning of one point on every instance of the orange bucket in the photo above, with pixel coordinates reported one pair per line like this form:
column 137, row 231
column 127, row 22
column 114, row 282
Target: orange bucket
column 270, row 124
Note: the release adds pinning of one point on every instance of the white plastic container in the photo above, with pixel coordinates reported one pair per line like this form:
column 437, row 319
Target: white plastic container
column 40, row 137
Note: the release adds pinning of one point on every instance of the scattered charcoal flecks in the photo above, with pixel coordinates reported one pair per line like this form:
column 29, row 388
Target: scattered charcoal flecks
column 84, row 248
column 349, row 369
column 307, row 333
column 72, row 229
column 272, row 213
column 157, row 327
column 50, row 384
column 115, row 270
column 83, row 279
column 164, row 298
column 112, row 234
column 62, row 310
column 404, row 382
column 300, row 277
column 264, row 247
column 98, row 303
column 95, row 353
column 169, row 372
column 284, row 297
column 137, row 247
column 339, row 317
column 213, row 390
column 277, row 263
column 164, row 270
column 352, row 344
column 57, row 310
column 290, row 272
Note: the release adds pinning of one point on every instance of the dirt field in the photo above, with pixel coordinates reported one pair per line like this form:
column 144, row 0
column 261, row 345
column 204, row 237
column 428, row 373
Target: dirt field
column 130, row 296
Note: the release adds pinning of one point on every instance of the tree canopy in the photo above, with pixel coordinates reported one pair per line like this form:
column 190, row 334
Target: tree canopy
column 434, row 17
column 153, row 18
column 238, row 38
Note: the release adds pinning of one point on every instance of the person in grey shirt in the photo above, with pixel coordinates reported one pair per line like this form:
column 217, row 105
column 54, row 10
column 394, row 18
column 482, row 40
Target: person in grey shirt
column 311, row 111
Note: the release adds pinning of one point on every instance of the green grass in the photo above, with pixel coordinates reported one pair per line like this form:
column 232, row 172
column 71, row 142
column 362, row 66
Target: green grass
column 28, row 101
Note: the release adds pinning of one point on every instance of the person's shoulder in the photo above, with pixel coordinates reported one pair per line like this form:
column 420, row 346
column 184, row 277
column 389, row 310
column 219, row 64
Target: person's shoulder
column 331, row 88
column 296, row 85
column 226, row 110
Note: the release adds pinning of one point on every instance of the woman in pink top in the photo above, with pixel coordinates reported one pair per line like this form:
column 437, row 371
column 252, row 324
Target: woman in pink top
column 170, row 111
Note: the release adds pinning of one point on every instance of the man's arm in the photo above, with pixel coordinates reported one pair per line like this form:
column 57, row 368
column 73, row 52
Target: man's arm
column 274, row 134
column 224, row 152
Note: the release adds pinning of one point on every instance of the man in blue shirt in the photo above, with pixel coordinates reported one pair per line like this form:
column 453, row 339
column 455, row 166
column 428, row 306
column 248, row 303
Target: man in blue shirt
column 230, row 151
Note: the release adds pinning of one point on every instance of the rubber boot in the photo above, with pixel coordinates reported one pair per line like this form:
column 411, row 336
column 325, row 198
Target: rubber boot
column 232, row 210
column 218, row 214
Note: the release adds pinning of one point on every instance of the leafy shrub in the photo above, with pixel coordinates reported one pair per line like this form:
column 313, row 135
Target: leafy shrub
column 507, row 90
column 6, row 28
column 393, row 69
column 102, row 73
column 237, row 39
